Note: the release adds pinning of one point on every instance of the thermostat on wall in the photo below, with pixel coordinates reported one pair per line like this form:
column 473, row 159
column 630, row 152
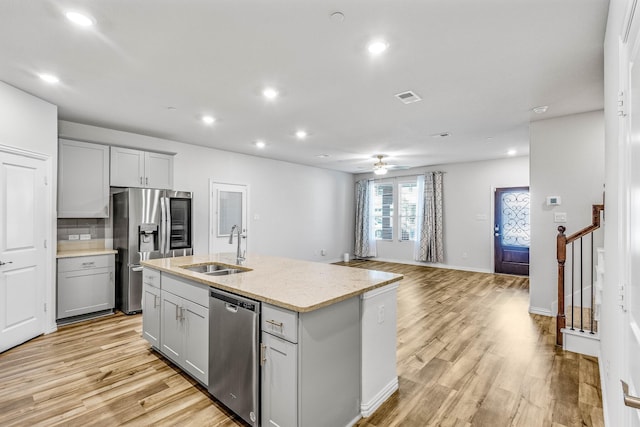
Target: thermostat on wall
column 553, row 200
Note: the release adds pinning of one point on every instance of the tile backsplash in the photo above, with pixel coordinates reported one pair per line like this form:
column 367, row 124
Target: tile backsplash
column 76, row 226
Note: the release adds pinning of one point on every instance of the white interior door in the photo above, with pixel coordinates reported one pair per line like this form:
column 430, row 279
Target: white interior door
column 228, row 207
column 631, row 301
column 22, row 248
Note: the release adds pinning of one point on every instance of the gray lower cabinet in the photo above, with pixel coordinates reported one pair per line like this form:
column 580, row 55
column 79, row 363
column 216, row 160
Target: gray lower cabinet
column 311, row 365
column 85, row 285
column 279, row 382
column 151, row 300
column 176, row 321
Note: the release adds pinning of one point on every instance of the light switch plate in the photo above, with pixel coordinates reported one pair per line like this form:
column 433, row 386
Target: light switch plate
column 559, row 217
column 85, row 237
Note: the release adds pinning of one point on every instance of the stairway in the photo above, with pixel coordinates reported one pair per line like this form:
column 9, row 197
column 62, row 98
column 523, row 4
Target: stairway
column 580, row 335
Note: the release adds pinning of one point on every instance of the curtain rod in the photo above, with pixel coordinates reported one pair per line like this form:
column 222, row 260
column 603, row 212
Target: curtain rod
column 401, row 176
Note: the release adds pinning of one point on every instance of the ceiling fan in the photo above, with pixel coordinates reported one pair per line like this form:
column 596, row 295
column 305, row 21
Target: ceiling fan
column 380, row 167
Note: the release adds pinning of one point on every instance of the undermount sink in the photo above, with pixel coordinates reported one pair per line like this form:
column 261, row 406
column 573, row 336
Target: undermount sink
column 213, row 269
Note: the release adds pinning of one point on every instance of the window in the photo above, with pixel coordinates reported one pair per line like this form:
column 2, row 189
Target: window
column 408, row 203
column 383, row 211
column 387, row 195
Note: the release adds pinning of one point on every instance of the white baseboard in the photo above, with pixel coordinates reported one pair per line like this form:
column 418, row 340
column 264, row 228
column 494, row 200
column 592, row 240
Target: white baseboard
column 603, row 389
column 540, row 311
column 580, row 342
column 354, row 421
column 429, row 264
column 368, row 408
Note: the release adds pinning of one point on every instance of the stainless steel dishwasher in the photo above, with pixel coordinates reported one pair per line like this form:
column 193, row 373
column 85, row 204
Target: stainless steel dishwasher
column 234, row 375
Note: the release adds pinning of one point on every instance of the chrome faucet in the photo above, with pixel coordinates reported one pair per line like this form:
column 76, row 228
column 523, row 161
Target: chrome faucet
column 239, row 254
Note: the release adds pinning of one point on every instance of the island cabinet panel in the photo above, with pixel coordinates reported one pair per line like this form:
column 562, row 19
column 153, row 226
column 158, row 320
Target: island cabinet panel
column 325, row 365
column 151, row 300
column 184, row 325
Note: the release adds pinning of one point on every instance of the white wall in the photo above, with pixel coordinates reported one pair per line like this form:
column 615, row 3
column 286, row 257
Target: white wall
column 468, row 210
column 302, row 209
column 30, row 124
column 567, row 160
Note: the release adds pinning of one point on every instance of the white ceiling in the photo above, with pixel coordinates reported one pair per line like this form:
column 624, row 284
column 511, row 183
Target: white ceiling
column 480, row 67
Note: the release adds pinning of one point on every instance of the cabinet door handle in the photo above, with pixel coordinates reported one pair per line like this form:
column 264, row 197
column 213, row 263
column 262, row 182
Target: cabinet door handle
column 276, row 324
column 8, row 262
column 177, row 308
column 263, row 354
column 147, row 180
column 155, row 301
column 140, row 180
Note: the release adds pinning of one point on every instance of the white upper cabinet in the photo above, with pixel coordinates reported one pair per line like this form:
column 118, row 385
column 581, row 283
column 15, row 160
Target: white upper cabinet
column 135, row 168
column 159, row 170
column 83, row 180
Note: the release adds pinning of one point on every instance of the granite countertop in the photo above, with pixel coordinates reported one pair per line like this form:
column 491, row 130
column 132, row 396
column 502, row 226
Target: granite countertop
column 84, row 252
column 296, row 285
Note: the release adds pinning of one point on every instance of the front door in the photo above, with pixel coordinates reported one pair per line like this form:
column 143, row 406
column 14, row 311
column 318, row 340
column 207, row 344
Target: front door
column 22, row 251
column 512, row 230
column 228, row 208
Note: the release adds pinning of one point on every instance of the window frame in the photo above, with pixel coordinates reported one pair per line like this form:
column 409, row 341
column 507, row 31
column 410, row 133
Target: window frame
column 396, row 217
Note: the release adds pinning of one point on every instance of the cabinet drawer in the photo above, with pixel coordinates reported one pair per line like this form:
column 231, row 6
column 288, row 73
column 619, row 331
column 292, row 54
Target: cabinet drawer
column 280, row 322
column 85, row 262
column 194, row 292
column 151, row 277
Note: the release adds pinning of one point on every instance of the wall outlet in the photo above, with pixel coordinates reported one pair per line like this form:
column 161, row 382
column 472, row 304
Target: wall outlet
column 323, row 252
column 74, row 237
column 85, row 237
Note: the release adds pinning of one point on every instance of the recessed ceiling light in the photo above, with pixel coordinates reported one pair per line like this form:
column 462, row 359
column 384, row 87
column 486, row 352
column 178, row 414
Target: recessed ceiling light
column 512, row 152
column 79, row 19
column 270, row 93
column 541, row 109
column 322, row 156
column 376, row 47
column 208, row 120
column 260, row 144
column 171, row 108
column 301, row 134
column 49, row 78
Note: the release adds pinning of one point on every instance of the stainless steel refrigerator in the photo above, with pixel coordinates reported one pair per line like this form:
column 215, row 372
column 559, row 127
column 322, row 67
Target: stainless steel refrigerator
column 147, row 224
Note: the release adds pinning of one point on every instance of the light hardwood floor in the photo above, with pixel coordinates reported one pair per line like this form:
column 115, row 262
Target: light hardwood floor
column 469, row 354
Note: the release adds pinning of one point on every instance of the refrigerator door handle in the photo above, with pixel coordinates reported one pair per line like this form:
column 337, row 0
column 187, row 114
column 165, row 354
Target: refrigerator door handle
column 163, row 226
column 167, row 232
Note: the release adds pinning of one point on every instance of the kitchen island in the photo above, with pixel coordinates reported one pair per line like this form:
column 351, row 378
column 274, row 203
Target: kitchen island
column 328, row 332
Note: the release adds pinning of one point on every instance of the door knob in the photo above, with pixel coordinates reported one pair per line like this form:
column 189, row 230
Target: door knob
column 8, row 262
column 630, row 401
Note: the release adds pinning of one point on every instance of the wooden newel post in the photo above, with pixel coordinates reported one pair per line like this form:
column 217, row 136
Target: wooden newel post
column 561, row 250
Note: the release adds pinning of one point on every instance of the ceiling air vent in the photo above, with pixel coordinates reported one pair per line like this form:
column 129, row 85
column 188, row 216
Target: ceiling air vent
column 408, row 97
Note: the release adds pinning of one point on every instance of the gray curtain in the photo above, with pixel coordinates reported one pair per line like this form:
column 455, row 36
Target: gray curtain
column 430, row 246
column 365, row 241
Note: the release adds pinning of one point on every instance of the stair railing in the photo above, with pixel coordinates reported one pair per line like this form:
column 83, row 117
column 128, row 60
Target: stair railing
column 562, row 242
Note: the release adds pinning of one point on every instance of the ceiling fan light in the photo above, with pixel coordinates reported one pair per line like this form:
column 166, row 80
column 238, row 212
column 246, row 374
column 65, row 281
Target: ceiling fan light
column 380, row 169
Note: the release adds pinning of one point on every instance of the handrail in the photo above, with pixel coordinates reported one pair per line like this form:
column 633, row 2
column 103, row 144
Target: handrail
column 561, row 250
column 595, row 224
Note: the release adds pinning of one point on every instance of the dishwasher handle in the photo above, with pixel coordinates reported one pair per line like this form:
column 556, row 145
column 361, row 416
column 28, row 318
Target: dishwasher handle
column 236, row 301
